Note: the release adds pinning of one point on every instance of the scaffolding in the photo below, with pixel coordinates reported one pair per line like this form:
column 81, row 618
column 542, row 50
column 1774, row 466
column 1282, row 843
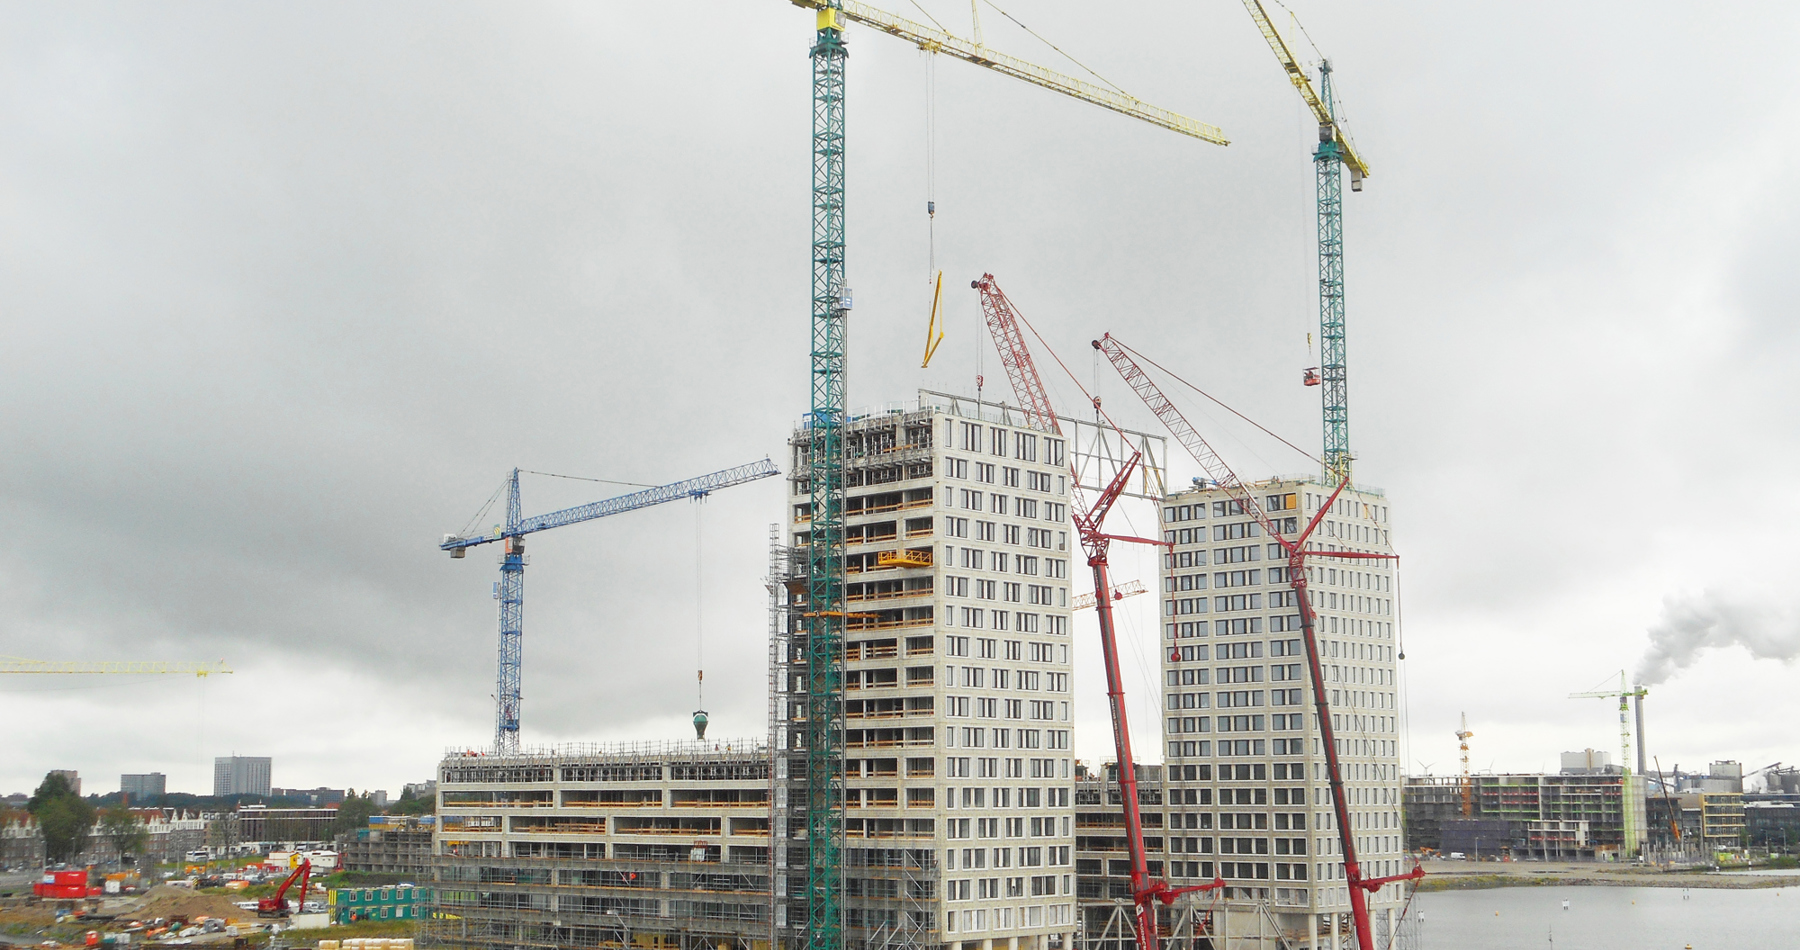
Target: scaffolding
column 785, row 587
column 886, row 896
column 492, row 903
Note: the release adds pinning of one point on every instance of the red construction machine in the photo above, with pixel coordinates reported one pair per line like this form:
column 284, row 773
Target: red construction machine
column 277, row 906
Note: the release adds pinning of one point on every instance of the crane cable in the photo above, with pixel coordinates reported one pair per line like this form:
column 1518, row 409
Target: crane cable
column 1060, row 51
column 699, row 610
column 1134, row 352
column 934, row 332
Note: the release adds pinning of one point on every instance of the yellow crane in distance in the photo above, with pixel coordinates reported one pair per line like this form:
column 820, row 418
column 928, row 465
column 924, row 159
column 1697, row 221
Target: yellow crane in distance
column 934, row 40
column 19, row 664
column 1303, row 85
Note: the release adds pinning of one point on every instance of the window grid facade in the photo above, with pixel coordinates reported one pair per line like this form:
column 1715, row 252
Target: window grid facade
column 1246, row 790
column 958, row 686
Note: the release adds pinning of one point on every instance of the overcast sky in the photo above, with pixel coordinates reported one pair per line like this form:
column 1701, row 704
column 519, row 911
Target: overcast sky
column 288, row 289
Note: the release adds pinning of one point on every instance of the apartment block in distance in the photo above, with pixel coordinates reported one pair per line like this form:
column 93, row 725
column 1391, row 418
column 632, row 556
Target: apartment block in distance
column 241, row 775
column 144, row 787
column 1246, row 789
column 958, row 828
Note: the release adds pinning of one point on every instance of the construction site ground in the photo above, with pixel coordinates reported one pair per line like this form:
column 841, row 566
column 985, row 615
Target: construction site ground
column 1442, row 875
column 36, row 920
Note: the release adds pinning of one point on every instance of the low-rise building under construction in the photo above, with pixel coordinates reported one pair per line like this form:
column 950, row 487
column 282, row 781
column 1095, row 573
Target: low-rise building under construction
column 655, row 845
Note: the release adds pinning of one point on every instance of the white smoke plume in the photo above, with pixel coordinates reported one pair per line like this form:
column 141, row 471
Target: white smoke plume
column 1693, row 623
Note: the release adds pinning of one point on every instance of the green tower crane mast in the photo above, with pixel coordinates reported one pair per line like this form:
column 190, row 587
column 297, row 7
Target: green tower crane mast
column 1335, row 152
column 1334, row 398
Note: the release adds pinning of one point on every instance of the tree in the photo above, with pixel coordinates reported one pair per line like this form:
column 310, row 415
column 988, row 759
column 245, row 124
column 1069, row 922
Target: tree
column 223, row 831
column 64, row 818
column 411, row 804
column 121, row 827
column 353, row 813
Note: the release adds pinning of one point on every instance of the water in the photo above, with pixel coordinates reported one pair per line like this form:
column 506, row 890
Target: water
column 1609, row 918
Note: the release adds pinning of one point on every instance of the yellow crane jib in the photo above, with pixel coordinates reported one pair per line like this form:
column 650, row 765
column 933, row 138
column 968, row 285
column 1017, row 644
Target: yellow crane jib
column 19, row 664
column 933, row 40
column 1303, row 84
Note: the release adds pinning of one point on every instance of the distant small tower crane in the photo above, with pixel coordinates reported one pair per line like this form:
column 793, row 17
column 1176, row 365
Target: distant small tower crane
column 1628, row 847
column 510, row 591
column 1468, row 788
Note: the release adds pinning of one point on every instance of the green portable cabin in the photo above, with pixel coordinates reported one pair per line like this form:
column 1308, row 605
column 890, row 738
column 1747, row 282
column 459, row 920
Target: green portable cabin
column 351, row 904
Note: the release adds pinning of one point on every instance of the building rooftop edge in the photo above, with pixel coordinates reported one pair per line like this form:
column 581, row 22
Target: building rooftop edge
column 624, row 749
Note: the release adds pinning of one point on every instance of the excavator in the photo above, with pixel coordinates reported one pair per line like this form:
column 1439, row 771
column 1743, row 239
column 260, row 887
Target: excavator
column 277, row 906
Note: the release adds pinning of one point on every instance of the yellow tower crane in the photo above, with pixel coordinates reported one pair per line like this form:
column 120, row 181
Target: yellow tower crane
column 19, row 664
column 933, row 39
column 1321, row 110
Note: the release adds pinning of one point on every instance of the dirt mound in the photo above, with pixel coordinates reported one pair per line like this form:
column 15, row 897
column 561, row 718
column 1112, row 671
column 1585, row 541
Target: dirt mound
column 166, row 901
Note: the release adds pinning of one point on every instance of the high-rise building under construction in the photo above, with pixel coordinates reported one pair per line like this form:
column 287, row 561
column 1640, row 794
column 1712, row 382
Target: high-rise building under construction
column 1248, row 795
column 956, row 683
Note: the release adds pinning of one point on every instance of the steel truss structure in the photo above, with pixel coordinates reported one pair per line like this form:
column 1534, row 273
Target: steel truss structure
column 824, row 607
column 1192, row 923
column 1328, row 165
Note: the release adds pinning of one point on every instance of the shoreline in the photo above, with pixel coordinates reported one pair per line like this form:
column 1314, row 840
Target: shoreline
column 1464, row 876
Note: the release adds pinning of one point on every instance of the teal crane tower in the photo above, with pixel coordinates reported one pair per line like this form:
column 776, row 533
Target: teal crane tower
column 823, row 615
column 1334, row 395
column 1335, row 152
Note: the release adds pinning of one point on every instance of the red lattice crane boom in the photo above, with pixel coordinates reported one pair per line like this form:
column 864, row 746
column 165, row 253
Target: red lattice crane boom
column 1004, row 323
column 1359, row 887
column 1028, row 386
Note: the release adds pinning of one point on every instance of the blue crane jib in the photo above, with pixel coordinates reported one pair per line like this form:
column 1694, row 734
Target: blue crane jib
column 510, row 591
column 692, row 488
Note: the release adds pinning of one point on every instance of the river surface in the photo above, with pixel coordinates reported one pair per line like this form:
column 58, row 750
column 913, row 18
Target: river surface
column 1609, row 918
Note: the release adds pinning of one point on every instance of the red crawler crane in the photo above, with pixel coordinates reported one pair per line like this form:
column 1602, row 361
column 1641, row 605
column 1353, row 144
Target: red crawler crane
column 1359, row 887
column 1003, row 321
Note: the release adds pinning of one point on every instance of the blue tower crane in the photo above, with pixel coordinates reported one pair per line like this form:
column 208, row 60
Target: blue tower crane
column 511, row 589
